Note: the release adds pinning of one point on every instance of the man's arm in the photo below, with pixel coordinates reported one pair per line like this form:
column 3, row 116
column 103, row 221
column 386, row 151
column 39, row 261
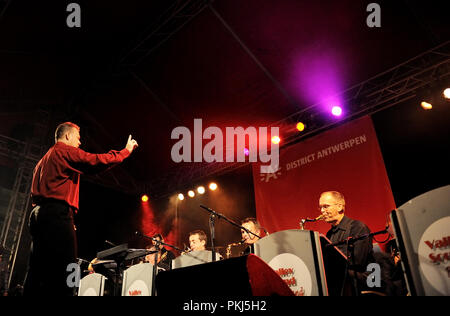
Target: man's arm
column 78, row 159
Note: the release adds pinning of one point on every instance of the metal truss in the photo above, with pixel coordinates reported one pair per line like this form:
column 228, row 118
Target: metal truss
column 24, row 155
column 117, row 178
column 16, row 212
column 184, row 177
column 396, row 85
column 169, row 23
column 391, row 87
column 3, row 6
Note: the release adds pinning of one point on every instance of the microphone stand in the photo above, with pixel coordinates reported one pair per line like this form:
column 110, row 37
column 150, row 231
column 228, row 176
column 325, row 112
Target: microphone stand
column 350, row 242
column 306, row 220
column 79, row 263
column 212, row 218
column 309, row 220
column 158, row 243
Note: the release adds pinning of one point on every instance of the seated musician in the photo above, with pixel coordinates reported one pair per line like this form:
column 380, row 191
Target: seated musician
column 165, row 256
column 332, row 207
column 253, row 226
column 197, row 240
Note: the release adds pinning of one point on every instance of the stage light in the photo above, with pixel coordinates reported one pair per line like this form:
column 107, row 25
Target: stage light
column 246, row 151
column 446, row 93
column 276, row 140
column 425, row 105
column 180, row 197
column 191, row 193
column 201, row 189
column 300, row 126
column 212, row 186
column 144, row 198
column 336, row 110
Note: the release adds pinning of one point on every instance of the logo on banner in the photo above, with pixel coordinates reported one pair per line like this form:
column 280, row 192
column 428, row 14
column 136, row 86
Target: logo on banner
column 323, row 153
column 138, row 288
column 266, row 177
column 294, row 273
column 434, row 255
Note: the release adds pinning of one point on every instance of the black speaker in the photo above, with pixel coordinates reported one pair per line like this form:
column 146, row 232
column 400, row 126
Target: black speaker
column 242, row 276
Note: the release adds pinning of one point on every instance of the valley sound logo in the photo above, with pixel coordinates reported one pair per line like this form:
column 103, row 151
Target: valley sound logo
column 138, row 288
column 294, row 272
column 434, row 255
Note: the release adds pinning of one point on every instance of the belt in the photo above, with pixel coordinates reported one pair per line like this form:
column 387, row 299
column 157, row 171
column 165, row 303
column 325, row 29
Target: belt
column 43, row 201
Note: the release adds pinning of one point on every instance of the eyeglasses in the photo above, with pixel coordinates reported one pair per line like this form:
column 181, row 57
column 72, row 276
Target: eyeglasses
column 326, row 206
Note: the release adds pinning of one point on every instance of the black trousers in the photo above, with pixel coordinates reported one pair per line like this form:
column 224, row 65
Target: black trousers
column 54, row 248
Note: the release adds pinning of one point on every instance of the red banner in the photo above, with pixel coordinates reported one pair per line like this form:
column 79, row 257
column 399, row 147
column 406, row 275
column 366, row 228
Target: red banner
column 345, row 159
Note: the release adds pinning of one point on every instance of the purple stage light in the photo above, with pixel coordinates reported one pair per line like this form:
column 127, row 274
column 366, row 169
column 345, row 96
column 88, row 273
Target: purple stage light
column 336, row 110
column 319, row 75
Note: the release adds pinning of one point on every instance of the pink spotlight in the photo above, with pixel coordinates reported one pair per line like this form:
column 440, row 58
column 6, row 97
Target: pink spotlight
column 336, row 110
column 246, row 151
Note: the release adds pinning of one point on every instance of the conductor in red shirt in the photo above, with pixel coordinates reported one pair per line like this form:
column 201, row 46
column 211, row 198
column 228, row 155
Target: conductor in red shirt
column 55, row 195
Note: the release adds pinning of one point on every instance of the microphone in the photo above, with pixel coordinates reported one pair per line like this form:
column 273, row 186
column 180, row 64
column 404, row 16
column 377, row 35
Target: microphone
column 305, row 220
column 206, row 208
column 80, row 261
column 110, row 243
column 319, row 218
column 186, row 248
column 241, row 242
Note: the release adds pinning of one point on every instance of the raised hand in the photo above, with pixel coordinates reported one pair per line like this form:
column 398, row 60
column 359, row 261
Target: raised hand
column 131, row 144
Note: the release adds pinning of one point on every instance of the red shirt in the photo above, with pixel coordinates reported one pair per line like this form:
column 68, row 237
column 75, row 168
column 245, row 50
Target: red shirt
column 57, row 174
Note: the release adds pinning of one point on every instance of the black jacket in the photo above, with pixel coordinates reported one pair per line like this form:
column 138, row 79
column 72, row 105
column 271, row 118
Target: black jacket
column 362, row 253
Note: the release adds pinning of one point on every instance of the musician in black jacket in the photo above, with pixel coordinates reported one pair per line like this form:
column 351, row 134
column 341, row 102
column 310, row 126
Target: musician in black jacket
column 165, row 256
column 359, row 253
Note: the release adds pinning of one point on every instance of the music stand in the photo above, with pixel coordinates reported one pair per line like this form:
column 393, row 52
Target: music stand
column 296, row 256
column 336, row 265
column 138, row 280
column 112, row 262
column 92, row 285
column 193, row 258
